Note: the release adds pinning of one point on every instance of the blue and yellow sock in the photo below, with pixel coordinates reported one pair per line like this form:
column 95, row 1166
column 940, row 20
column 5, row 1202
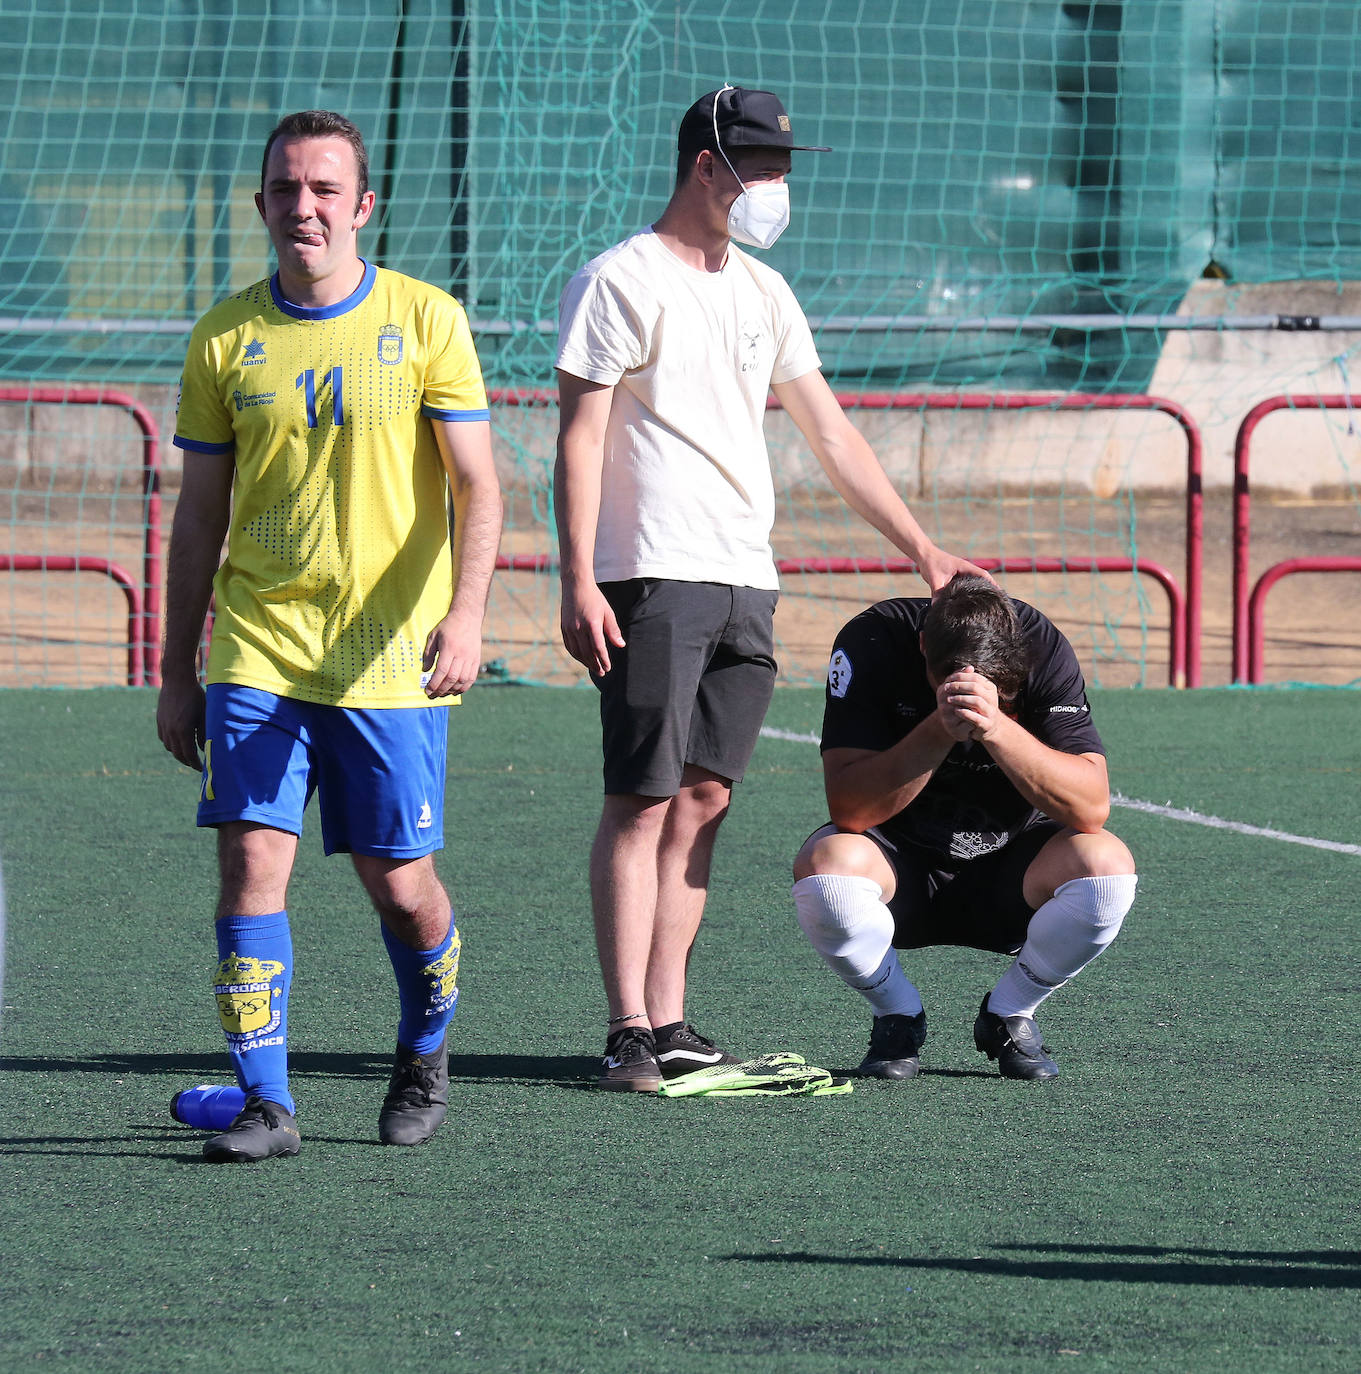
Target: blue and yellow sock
column 427, row 988
column 255, row 968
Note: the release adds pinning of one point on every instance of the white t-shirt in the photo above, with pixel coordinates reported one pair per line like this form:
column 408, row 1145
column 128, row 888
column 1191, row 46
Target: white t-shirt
column 686, row 491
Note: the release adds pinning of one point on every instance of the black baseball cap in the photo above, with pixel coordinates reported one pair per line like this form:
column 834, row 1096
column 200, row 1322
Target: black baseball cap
column 744, row 118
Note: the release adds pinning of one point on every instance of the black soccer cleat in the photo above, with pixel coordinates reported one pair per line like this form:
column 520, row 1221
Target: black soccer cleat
column 630, row 1063
column 894, row 1042
column 260, row 1130
column 1014, row 1042
column 417, row 1098
column 681, row 1049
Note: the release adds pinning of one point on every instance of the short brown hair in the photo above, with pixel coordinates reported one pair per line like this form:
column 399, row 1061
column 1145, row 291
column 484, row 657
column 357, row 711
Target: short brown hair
column 320, row 124
column 973, row 623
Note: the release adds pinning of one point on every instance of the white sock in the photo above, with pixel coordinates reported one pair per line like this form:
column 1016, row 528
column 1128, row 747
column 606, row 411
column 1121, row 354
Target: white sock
column 852, row 929
column 1081, row 918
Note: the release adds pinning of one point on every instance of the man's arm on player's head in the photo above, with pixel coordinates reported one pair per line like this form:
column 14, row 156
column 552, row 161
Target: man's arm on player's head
column 851, row 466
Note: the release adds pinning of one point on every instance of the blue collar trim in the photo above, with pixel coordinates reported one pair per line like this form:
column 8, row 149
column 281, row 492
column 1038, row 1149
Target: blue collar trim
column 326, row 312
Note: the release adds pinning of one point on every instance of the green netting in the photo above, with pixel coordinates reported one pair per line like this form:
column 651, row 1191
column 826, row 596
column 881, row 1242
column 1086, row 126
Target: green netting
column 1043, row 162
column 993, row 156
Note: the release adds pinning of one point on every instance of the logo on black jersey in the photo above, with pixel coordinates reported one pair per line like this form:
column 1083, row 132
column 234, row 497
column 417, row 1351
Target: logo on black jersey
column 390, row 344
column 839, row 674
column 1069, row 710
column 253, row 353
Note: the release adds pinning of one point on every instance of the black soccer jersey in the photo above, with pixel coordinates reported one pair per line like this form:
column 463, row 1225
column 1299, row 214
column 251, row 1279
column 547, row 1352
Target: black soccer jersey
column 877, row 693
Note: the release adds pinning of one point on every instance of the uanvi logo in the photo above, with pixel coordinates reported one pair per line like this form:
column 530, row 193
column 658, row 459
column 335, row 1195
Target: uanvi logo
column 253, row 354
column 1067, row 710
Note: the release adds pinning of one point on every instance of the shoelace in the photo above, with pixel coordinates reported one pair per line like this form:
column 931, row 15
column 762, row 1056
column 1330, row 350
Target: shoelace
column 256, row 1108
column 889, row 1033
column 421, row 1079
column 628, row 1042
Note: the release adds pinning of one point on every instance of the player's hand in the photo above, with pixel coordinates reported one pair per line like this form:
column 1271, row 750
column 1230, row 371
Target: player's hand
column 179, row 719
column 453, row 656
column 969, row 706
column 937, row 568
column 589, row 627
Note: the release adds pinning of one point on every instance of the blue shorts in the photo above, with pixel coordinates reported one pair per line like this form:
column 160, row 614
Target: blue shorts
column 378, row 775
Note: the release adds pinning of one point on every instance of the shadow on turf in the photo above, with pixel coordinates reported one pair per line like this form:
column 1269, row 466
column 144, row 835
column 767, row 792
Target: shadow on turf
column 564, row 1070
column 1144, row 1264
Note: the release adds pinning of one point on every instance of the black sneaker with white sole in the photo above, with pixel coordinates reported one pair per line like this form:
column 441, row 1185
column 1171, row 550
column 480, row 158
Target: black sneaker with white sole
column 630, row 1063
column 260, row 1130
column 894, row 1043
column 1015, row 1043
column 681, row 1049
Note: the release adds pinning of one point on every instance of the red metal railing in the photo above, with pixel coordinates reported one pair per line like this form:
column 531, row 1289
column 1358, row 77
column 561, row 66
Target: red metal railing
column 41, row 562
column 1184, row 665
column 1257, row 601
column 1249, row 606
column 1185, row 629
column 145, row 633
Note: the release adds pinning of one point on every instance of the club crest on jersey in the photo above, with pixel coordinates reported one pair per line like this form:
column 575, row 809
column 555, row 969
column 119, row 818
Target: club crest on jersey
column 253, row 354
column 839, row 674
column 390, row 344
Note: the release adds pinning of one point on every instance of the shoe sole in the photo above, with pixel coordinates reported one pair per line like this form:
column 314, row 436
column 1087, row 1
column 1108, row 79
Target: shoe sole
column 629, row 1085
column 239, row 1157
column 385, row 1134
column 1022, row 1076
column 890, row 1070
column 1018, row 1073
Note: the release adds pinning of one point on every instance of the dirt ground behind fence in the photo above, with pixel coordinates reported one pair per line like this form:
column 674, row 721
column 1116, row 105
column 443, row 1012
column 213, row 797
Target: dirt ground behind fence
column 68, row 629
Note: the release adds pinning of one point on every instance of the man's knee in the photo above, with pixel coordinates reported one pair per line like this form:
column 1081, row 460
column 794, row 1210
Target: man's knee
column 703, row 799
column 254, row 864
column 830, row 851
column 1072, row 855
column 401, row 889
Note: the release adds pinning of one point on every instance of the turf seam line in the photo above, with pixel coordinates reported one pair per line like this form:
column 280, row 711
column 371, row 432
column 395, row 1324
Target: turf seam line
column 1168, row 812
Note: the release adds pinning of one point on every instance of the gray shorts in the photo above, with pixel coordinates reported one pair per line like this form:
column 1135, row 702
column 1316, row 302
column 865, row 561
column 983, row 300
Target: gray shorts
column 691, row 684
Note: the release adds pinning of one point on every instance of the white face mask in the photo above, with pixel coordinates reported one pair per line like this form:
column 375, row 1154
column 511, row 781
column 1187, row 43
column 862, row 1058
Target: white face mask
column 760, row 214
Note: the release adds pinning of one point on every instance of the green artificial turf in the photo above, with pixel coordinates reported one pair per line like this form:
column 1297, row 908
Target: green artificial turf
column 1183, row 1198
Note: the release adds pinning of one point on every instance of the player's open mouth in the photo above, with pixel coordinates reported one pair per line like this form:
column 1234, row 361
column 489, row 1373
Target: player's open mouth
column 314, row 240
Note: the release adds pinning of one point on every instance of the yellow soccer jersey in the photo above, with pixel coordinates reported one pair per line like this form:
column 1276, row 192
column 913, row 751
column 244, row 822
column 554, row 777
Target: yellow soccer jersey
column 338, row 560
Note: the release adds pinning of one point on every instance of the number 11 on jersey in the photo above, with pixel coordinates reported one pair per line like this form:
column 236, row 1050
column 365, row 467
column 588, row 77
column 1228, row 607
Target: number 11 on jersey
column 307, row 380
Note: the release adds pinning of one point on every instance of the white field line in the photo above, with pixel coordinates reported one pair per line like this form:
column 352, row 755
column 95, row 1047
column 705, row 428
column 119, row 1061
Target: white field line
column 1171, row 813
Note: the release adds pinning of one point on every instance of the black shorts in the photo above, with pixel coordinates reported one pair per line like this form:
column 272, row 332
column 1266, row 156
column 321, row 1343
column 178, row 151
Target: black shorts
column 979, row 903
column 691, row 684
